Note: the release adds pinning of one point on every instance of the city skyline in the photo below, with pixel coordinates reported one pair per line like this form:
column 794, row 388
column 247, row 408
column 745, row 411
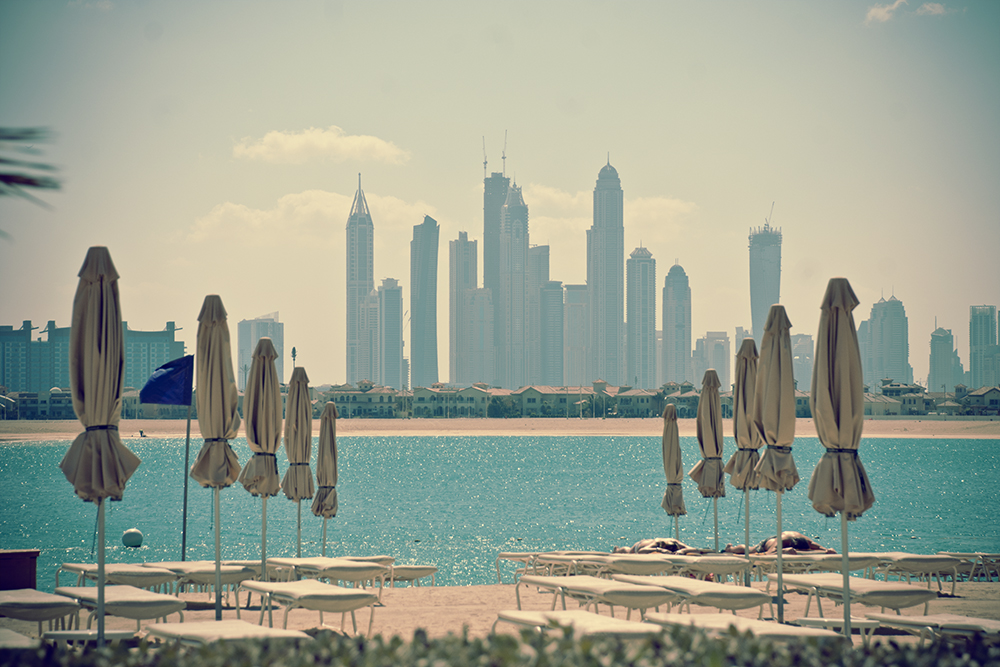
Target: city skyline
column 877, row 142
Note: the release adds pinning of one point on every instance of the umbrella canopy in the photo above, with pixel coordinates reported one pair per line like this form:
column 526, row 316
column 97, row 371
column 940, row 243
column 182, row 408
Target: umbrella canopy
column 774, row 403
column 673, row 497
column 262, row 412
column 218, row 420
column 708, row 472
column 325, row 502
column 298, row 481
column 839, row 482
column 97, row 464
column 741, row 466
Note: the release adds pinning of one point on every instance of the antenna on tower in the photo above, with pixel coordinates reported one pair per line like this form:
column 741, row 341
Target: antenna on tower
column 484, row 158
column 503, row 155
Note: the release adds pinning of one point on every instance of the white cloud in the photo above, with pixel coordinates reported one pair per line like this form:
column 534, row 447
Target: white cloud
column 932, row 9
column 882, row 13
column 319, row 144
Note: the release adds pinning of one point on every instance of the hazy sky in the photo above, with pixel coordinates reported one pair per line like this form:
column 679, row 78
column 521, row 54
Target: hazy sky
column 215, row 148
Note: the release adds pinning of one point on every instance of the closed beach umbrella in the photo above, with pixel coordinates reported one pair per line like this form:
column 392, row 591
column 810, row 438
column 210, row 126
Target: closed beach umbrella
column 262, row 414
column 218, row 420
column 325, row 502
column 298, row 481
column 741, row 466
column 708, row 471
column 774, row 418
column 97, row 464
column 839, row 482
column 673, row 497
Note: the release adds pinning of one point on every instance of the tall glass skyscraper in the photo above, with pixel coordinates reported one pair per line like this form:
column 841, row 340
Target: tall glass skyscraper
column 495, row 189
column 390, row 301
column 983, row 347
column 463, row 275
column 248, row 332
column 511, row 306
column 606, row 279
column 945, row 366
column 765, row 275
column 640, row 350
column 423, row 303
column 360, row 283
column 676, row 326
column 886, row 348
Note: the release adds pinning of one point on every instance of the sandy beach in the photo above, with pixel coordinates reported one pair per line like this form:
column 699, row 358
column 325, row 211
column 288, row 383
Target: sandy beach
column 24, row 430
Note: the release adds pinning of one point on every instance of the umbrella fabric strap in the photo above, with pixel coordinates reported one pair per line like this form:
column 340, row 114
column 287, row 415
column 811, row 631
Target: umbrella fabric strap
column 713, row 458
column 103, row 427
column 296, row 464
column 263, row 454
column 327, row 487
column 746, row 449
column 216, row 440
column 842, row 451
column 668, row 484
column 778, row 448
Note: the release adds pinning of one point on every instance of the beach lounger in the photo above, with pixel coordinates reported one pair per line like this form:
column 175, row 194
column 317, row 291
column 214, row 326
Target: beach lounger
column 27, row 604
column 595, row 591
column 123, row 574
column 584, row 623
column 525, row 558
column 941, row 625
column 719, row 624
column 704, row 593
column 923, row 566
column 980, row 564
column 314, row 595
column 335, row 570
column 411, row 573
column 869, row 592
column 15, row 640
column 720, row 567
column 865, row 626
column 125, row 602
column 640, row 564
column 202, row 572
column 805, row 563
column 206, row 632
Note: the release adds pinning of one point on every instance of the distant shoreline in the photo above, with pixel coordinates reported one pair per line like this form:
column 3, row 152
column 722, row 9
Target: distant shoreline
column 27, row 430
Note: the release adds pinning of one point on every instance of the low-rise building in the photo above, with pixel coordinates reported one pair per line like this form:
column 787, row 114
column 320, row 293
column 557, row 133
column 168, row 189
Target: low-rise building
column 877, row 405
column 54, row 403
column 982, row 401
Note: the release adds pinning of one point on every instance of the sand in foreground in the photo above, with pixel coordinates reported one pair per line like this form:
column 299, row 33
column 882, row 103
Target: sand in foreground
column 14, row 431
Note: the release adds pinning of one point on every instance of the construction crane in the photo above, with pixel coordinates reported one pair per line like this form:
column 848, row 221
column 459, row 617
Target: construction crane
column 767, row 220
column 484, row 158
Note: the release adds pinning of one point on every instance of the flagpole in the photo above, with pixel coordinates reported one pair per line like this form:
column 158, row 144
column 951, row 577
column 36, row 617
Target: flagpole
column 187, row 467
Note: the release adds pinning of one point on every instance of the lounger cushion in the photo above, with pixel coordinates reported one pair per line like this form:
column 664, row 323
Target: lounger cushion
column 204, row 632
column 125, row 601
column 27, row 604
column 582, row 622
column 314, row 595
column 866, row 591
column 720, row 623
column 705, row 593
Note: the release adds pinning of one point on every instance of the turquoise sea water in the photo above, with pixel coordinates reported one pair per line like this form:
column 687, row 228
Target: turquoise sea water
column 457, row 501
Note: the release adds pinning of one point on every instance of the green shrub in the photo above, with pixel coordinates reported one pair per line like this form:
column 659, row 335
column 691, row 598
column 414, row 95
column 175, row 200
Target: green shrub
column 679, row 647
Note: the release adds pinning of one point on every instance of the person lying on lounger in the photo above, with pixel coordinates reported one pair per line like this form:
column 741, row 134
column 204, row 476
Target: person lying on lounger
column 660, row 545
column 791, row 542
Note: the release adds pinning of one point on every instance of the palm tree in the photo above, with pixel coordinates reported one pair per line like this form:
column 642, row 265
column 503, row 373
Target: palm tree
column 18, row 176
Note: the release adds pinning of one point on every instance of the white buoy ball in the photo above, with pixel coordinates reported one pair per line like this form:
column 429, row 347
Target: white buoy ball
column 132, row 537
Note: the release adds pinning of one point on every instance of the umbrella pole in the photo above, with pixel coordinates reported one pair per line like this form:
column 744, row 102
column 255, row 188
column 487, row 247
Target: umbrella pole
column 677, row 527
column 298, row 550
column 324, row 537
column 779, row 546
column 100, row 572
column 746, row 535
column 847, row 574
column 187, row 467
column 715, row 509
column 263, row 540
column 218, row 558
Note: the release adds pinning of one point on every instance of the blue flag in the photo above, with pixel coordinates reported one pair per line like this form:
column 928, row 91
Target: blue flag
column 170, row 384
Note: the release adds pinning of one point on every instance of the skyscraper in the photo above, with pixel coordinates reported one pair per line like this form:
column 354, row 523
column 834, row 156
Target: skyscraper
column 537, row 278
column 606, row 278
column 802, row 360
column 463, row 276
column 510, row 304
column 248, row 332
column 423, row 303
column 640, row 347
column 576, row 332
column 765, row 275
column 550, row 333
column 713, row 351
column 982, row 346
column 945, row 367
column 886, row 352
column 390, row 302
column 677, row 326
column 494, row 195
column 481, row 350
column 360, row 282
column 369, row 338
